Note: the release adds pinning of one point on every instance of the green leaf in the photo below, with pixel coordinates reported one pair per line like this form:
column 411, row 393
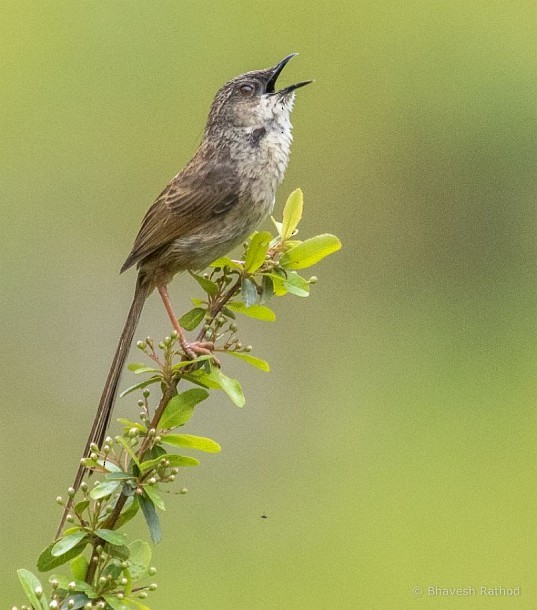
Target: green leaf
column 172, row 458
column 129, row 512
column 66, row 544
column 181, row 407
column 140, row 559
column 207, row 285
column 128, row 424
column 259, row 312
column 310, row 251
column 230, row 386
column 194, row 442
column 129, row 450
column 292, row 213
column 79, row 600
column 79, row 585
column 134, row 604
column 257, row 251
column 30, row 583
column 47, row 561
column 277, row 283
column 141, row 368
column 115, row 603
column 201, row 377
column 104, row 489
column 257, row 362
column 121, row 551
column 249, row 292
column 151, row 518
column 154, row 496
column 118, row 476
column 141, row 385
column 115, row 538
column 296, row 284
column 184, row 363
column 267, row 289
column 191, row 319
column 224, row 261
column 278, row 225
column 81, row 506
column 79, row 567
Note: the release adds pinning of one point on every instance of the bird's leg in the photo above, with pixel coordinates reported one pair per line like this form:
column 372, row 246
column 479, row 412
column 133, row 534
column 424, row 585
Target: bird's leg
column 192, row 350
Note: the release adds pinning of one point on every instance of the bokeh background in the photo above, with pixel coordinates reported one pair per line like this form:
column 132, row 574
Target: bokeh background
column 393, row 444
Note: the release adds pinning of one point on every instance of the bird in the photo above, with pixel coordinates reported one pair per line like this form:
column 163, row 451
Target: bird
column 212, row 205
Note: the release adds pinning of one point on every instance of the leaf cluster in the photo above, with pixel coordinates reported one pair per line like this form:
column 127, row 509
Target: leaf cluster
column 134, row 468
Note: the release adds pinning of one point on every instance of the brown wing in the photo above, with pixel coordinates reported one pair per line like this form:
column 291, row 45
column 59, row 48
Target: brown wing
column 198, row 193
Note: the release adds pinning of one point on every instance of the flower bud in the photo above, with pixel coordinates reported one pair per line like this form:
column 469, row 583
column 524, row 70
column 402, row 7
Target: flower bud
column 183, row 491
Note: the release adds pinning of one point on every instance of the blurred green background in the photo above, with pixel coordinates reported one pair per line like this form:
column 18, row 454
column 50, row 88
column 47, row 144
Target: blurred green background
column 393, row 444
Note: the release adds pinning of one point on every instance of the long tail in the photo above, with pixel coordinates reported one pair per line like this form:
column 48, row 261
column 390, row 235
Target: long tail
column 104, row 412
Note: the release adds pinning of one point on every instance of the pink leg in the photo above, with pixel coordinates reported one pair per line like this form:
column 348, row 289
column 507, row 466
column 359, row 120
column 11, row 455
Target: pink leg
column 192, row 350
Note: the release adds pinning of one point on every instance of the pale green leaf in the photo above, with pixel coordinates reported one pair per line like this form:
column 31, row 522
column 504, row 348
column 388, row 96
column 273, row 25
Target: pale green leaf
column 224, row 261
column 310, row 251
column 207, row 285
column 297, row 285
column 292, row 213
column 30, row 583
column 257, row 362
column 181, row 407
column 139, row 559
column 115, row 603
column 128, row 424
column 67, row 543
column 115, row 538
column 193, row 442
column 141, row 368
column 277, row 224
column 79, row 567
column 47, row 561
column 104, row 489
column 172, row 458
column 259, row 312
column 191, row 319
column 257, row 251
column 129, row 450
column 141, row 385
column 154, row 496
column 230, row 386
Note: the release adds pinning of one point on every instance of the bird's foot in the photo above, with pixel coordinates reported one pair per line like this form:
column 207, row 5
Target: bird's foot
column 199, row 348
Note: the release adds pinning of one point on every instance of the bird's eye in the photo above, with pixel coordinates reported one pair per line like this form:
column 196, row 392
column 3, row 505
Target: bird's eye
column 247, row 90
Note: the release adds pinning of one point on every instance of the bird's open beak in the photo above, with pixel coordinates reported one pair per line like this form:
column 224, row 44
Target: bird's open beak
column 276, row 71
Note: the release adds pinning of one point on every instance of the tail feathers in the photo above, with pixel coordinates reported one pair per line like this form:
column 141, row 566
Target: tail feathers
column 104, row 411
